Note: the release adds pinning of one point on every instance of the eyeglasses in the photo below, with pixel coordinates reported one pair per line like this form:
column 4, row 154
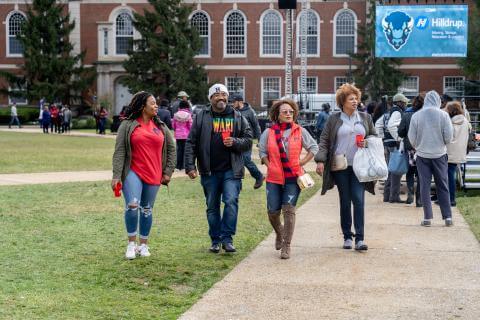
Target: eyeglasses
column 285, row 112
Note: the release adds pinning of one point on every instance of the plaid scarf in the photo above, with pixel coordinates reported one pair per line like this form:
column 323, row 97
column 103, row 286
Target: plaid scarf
column 279, row 128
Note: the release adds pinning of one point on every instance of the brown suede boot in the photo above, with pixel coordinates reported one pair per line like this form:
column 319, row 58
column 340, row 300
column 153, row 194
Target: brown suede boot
column 289, row 226
column 274, row 218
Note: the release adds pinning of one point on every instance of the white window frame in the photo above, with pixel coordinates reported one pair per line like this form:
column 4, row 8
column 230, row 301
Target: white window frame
column 225, row 54
column 335, row 87
column 461, row 78
column 115, row 32
column 262, row 55
column 402, row 86
column 242, row 87
column 10, row 102
column 279, row 88
column 298, row 33
column 335, row 33
column 308, row 77
column 208, row 55
column 7, row 36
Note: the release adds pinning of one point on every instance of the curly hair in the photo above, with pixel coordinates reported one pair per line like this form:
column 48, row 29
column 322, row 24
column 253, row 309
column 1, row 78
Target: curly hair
column 136, row 106
column 344, row 91
column 454, row 108
column 275, row 109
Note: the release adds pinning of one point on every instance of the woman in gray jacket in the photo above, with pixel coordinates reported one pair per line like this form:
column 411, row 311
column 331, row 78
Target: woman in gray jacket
column 338, row 140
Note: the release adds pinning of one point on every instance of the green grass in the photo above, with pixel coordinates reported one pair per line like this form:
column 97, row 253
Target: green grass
column 469, row 206
column 26, row 153
column 63, row 245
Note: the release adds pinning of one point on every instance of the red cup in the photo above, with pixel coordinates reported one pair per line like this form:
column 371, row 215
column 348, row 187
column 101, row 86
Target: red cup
column 118, row 190
column 359, row 139
column 225, row 135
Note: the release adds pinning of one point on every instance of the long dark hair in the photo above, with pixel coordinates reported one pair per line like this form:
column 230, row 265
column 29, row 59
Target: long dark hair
column 136, row 106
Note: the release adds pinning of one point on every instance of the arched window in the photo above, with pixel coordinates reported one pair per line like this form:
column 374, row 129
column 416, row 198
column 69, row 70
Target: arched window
column 345, row 33
column 271, row 34
column 235, row 34
column 15, row 22
column 200, row 21
column 123, row 33
column 312, row 32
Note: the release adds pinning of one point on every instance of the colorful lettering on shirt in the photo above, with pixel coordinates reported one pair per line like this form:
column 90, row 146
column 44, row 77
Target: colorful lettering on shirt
column 222, row 125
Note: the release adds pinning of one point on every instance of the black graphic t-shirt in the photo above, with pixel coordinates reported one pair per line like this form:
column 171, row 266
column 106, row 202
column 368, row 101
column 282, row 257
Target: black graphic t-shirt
column 222, row 126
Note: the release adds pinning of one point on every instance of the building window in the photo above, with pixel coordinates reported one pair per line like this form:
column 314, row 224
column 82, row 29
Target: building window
column 409, row 87
column 345, row 33
column 200, row 21
column 123, row 33
column 454, row 86
column 17, row 100
column 235, row 33
column 339, row 81
column 312, row 32
column 236, row 86
column 270, row 90
column 271, row 34
column 15, row 22
column 311, row 85
column 105, row 42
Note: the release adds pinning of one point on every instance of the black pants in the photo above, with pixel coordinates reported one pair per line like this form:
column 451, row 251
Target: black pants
column 180, row 153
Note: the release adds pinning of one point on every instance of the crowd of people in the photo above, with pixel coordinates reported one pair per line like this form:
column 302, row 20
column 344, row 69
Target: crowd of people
column 216, row 144
column 57, row 118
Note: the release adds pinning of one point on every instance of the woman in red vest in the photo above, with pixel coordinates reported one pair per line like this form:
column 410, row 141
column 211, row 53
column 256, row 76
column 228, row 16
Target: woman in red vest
column 280, row 150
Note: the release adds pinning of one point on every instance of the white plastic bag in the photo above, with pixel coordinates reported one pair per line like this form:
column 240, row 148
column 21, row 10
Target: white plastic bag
column 369, row 163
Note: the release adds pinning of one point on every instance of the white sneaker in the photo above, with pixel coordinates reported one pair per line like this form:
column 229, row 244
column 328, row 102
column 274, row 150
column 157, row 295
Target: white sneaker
column 131, row 250
column 143, row 250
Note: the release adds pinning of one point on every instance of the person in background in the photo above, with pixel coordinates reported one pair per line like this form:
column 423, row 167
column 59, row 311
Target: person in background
column 280, row 149
column 181, row 96
column 14, row 116
column 67, row 119
column 46, row 119
column 54, row 117
column 412, row 172
column 164, row 114
column 339, row 138
column 430, row 142
column 322, row 119
column 371, row 107
column 457, row 148
column 182, row 122
column 103, row 115
column 61, row 119
column 144, row 158
column 247, row 112
column 218, row 138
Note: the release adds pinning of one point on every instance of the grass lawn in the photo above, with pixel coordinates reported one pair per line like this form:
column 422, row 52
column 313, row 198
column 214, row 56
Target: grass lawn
column 469, row 206
column 63, row 250
column 26, row 153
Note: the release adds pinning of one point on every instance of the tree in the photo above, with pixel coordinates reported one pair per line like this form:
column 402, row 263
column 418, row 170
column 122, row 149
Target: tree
column 375, row 76
column 471, row 64
column 162, row 61
column 50, row 68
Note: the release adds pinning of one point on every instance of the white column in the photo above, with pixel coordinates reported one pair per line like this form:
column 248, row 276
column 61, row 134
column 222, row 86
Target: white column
column 74, row 10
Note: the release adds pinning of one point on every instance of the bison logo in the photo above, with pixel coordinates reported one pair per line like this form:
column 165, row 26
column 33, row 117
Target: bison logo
column 397, row 26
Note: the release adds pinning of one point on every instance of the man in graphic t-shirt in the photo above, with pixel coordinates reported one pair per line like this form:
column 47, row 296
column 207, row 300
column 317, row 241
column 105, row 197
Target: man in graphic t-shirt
column 218, row 138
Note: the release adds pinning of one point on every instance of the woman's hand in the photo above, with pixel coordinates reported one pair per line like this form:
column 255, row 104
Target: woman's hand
column 166, row 180
column 114, row 183
column 362, row 144
column 320, row 168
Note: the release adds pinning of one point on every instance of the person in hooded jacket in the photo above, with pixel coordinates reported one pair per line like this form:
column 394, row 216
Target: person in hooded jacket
column 182, row 122
column 429, row 133
column 457, row 148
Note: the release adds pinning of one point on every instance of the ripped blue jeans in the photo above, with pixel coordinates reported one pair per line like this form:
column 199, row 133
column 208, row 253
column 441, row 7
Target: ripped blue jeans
column 278, row 195
column 139, row 199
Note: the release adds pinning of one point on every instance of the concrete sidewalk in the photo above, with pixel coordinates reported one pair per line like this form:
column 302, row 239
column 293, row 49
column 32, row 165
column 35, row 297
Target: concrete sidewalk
column 409, row 272
column 73, row 133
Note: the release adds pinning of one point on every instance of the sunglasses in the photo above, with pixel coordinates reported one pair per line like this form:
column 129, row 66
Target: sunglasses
column 285, row 112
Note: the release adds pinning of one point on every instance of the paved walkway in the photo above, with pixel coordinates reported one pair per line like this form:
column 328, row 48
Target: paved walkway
column 73, row 133
column 410, row 272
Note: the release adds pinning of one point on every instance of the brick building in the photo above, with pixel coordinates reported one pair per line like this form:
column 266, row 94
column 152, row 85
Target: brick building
column 244, row 45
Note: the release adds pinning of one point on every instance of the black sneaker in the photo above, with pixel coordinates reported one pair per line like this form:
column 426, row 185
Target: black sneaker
column 361, row 246
column 228, row 247
column 215, row 248
column 259, row 182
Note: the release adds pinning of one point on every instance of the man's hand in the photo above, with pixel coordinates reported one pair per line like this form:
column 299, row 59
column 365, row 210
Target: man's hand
column 114, row 183
column 166, row 180
column 192, row 174
column 228, row 142
column 320, row 168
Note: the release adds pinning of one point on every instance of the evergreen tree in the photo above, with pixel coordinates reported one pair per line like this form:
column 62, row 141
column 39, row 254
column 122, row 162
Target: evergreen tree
column 471, row 64
column 162, row 61
column 50, row 69
column 375, row 76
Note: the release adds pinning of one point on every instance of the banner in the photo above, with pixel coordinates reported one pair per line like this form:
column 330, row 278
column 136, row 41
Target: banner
column 421, row 31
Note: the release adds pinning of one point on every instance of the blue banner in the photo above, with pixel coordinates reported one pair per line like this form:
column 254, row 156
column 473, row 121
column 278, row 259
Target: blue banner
column 421, row 31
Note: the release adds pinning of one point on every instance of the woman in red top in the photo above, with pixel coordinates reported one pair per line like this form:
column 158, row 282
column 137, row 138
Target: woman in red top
column 144, row 158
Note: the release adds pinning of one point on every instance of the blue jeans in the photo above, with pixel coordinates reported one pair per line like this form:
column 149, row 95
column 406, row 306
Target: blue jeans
column 351, row 191
column 14, row 120
column 452, row 181
column 139, row 199
column 225, row 187
column 250, row 165
column 278, row 195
